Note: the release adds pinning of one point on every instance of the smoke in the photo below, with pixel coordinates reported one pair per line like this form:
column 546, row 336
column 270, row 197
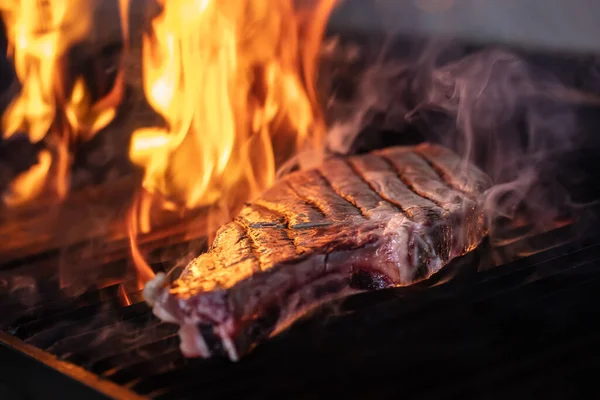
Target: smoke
column 513, row 118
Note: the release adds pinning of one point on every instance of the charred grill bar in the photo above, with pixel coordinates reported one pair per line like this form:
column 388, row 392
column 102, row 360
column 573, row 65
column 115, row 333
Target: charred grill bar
column 529, row 326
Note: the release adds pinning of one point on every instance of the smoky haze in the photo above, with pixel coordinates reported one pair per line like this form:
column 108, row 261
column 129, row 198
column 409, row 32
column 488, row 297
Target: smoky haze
column 510, row 114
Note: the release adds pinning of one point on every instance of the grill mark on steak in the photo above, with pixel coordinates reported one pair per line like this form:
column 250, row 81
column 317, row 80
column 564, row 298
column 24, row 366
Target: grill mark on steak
column 342, row 195
column 349, row 184
column 443, row 175
column 415, row 189
column 236, row 250
column 453, row 170
column 309, row 202
column 299, row 214
column 285, row 222
column 271, row 244
column 313, row 205
column 424, row 180
column 254, row 251
column 260, row 216
column 395, row 205
column 283, row 255
column 386, row 183
column 312, row 188
column 298, row 236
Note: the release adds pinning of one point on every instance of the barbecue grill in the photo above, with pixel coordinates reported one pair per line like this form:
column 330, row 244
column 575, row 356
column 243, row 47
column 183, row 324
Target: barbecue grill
column 514, row 318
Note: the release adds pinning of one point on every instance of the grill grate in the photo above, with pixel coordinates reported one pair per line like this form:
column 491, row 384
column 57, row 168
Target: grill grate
column 527, row 327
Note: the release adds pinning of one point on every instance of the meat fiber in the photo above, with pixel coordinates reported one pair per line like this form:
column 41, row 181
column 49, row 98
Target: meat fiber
column 388, row 218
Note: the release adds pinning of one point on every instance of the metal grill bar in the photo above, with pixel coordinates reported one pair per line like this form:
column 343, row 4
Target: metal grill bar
column 29, row 372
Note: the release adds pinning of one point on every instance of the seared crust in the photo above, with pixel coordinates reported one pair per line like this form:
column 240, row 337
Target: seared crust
column 397, row 215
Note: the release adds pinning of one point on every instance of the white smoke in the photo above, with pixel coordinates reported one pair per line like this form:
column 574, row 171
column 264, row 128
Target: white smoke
column 512, row 118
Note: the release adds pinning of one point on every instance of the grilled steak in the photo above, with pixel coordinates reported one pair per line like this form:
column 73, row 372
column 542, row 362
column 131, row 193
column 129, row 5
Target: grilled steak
column 388, row 218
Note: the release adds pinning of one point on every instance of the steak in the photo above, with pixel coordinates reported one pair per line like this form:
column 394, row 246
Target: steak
column 388, row 218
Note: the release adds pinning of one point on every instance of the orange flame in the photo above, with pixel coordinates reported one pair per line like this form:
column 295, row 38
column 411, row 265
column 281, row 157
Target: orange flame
column 140, row 208
column 50, row 106
column 123, row 296
column 29, row 185
column 234, row 81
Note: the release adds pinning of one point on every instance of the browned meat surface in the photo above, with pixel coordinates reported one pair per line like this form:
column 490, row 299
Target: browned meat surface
column 388, row 218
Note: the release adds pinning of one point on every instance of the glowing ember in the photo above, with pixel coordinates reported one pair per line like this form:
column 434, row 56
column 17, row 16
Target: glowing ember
column 234, row 81
column 51, row 106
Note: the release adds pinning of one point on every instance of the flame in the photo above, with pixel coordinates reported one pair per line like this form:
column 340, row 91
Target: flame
column 140, row 208
column 234, row 82
column 51, row 106
column 123, row 296
column 28, row 185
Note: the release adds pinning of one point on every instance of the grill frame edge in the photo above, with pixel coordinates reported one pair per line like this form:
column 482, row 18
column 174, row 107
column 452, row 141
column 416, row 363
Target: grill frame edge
column 42, row 367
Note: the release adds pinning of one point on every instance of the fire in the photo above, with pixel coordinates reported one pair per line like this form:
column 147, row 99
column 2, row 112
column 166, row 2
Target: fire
column 234, row 82
column 123, row 296
column 51, row 106
column 140, row 207
column 29, row 185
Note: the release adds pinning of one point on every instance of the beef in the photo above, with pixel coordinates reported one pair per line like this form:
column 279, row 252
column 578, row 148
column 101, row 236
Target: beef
column 388, row 218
